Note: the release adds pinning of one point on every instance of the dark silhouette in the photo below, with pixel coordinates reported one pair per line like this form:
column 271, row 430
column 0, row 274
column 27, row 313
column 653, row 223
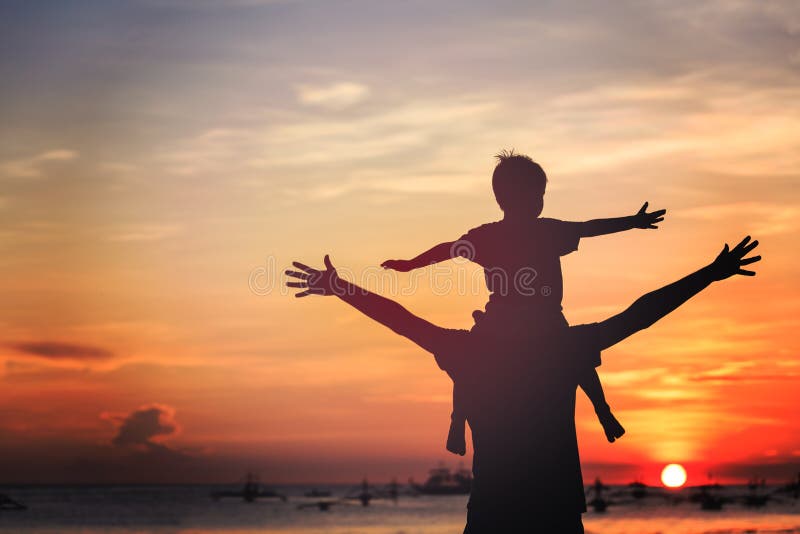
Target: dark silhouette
column 251, row 491
column 520, row 402
column 441, row 481
column 7, row 503
column 521, row 257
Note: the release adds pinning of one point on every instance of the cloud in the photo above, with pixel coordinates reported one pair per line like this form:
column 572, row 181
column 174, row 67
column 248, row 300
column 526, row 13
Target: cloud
column 55, row 350
column 364, row 152
column 141, row 427
column 338, row 95
column 32, row 167
column 145, row 232
column 766, row 218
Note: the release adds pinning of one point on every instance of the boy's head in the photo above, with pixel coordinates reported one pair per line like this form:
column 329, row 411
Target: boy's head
column 519, row 184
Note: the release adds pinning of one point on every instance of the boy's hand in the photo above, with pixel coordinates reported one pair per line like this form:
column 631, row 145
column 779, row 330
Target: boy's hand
column 730, row 262
column 316, row 282
column 398, row 265
column 645, row 220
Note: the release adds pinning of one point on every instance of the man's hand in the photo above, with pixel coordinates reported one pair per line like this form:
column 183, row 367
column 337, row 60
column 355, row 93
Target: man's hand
column 398, row 265
column 730, row 262
column 316, row 282
column 645, row 220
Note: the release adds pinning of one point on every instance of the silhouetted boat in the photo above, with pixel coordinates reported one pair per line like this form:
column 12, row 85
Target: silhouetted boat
column 792, row 487
column 599, row 504
column 251, row 491
column 7, row 503
column 317, row 493
column 362, row 494
column 711, row 502
column 707, row 497
column 323, row 506
column 638, row 489
column 441, row 481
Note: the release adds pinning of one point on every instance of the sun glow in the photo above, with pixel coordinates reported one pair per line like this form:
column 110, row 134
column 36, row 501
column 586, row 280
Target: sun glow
column 673, row 476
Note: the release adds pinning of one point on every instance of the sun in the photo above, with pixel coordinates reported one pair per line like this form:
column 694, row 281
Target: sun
column 673, row 476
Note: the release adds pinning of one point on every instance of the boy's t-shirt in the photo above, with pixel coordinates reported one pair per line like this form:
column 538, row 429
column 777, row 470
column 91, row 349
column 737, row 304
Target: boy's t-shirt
column 522, row 259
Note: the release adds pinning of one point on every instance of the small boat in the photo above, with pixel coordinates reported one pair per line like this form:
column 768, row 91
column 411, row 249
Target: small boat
column 362, row 494
column 314, row 492
column 441, row 481
column 323, row 506
column 251, row 491
column 792, row 488
column 707, row 497
column 7, row 503
column 638, row 489
column 599, row 504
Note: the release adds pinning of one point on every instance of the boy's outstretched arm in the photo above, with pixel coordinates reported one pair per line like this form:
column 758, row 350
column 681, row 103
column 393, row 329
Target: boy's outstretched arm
column 659, row 303
column 385, row 311
column 439, row 253
column 642, row 219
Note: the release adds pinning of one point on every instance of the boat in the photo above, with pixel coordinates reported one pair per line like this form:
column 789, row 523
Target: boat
column 314, row 492
column 251, row 491
column 599, row 503
column 362, row 493
column 441, row 481
column 7, row 503
column 638, row 489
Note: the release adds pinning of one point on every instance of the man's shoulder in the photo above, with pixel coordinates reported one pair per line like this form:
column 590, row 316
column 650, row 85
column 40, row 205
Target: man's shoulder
column 452, row 349
column 582, row 341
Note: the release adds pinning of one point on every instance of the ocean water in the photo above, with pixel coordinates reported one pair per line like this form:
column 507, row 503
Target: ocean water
column 191, row 510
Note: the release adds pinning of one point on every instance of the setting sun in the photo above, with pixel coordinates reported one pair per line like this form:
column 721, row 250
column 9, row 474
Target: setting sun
column 673, row 476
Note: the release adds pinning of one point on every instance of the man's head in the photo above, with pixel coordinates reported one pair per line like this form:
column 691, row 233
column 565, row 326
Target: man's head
column 519, row 184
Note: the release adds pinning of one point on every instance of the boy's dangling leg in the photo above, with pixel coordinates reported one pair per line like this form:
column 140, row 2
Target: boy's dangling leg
column 456, row 442
column 590, row 383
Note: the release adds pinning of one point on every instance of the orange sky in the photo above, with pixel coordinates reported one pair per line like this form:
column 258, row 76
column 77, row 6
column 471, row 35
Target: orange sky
column 162, row 162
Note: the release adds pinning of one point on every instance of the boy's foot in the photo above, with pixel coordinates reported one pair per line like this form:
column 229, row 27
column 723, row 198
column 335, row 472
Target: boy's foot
column 611, row 426
column 456, row 443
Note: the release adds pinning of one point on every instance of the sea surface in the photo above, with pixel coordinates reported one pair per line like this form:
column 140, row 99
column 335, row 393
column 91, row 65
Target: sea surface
column 191, row 510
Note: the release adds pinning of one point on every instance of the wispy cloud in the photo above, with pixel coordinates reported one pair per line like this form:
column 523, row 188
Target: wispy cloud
column 145, row 232
column 355, row 150
column 54, row 350
column 34, row 166
column 764, row 218
column 339, row 95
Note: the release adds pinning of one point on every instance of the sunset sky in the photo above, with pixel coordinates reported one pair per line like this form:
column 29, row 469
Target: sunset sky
column 163, row 161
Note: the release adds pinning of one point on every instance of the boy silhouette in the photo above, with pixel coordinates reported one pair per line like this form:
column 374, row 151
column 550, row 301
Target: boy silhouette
column 520, row 255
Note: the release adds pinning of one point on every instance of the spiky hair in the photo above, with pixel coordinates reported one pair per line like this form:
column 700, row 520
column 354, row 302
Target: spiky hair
column 515, row 172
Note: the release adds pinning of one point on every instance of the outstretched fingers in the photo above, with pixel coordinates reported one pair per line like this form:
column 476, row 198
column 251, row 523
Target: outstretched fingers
column 296, row 274
column 304, row 267
column 742, row 244
column 746, row 250
column 747, row 261
column 307, row 292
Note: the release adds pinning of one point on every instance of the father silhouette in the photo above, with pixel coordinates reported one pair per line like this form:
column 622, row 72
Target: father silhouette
column 521, row 405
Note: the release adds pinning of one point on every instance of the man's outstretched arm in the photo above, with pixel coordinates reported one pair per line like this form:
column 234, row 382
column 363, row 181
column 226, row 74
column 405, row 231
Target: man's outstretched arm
column 659, row 303
column 385, row 311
